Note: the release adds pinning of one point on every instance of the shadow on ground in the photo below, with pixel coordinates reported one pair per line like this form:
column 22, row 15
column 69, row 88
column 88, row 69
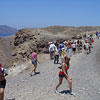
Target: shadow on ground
column 11, row 99
column 65, row 92
column 36, row 73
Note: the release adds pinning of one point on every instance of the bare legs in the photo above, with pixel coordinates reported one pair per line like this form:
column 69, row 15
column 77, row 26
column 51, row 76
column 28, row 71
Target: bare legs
column 60, row 82
column 1, row 94
column 34, row 69
column 69, row 82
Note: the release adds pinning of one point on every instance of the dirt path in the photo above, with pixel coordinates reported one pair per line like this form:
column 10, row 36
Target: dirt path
column 84, row 70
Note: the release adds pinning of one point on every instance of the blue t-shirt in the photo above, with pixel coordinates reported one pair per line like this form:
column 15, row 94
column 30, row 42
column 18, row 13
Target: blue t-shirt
column 61, row 46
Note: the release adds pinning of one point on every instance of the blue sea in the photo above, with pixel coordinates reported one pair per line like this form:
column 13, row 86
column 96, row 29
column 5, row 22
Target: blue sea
column 6, row 34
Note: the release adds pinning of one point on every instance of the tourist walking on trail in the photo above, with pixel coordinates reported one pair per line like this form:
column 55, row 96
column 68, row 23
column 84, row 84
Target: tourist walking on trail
column 84, row 36
column 97, row 34
column 3, row 74
column 86, row 47
column 64, row 74
column 66, row 47
column 79, row 46
column 62, row 55
column 56, row 57
column 61, row 46
column 34, row 62
column 52, row 50
column 74, row 47
column 92, row 41
column 70, row 49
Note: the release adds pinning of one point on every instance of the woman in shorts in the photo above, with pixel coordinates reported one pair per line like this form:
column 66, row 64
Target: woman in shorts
column 64, row 74
column 34, row 62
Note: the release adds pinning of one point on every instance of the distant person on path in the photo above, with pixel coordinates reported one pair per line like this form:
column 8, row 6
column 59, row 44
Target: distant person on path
column 84, row 36
column 66, row 48
column 74, row 47
column 92, row 41
column 3, row 73
column 78, row 45
column 70, row 49
column 64, row 74
column 97, row 34
column 56, row 57
column 86, row 47
column 62, row 55
column 34, row 62
column 61, row 46
column 52, row 50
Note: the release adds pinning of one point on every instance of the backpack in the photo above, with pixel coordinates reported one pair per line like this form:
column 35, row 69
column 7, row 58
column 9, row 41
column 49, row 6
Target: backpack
column 4, row 71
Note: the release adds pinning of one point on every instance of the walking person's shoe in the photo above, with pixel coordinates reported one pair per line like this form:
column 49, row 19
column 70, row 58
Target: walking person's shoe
column 30, row 74
column 57, row 91
column 72, row 93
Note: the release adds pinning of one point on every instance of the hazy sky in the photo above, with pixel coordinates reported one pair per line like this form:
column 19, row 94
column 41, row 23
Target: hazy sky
column 43, row 13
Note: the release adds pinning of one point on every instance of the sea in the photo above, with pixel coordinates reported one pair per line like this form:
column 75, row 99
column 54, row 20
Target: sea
column 6, row 34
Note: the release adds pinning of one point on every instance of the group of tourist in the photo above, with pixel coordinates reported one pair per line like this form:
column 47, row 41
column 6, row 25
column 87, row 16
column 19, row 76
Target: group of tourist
column 63, row 50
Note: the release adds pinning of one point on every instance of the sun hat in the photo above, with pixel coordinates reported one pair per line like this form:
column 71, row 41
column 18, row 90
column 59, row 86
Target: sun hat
column 63, row 48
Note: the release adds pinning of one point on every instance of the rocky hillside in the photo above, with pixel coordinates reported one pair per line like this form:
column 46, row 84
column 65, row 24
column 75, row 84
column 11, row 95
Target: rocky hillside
column 26, row 40
column 5, row 51
column 21, row 45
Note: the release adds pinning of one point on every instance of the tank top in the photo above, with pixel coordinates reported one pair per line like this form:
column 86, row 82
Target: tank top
column 33, row 56
column 63, row 54
column 61, row 73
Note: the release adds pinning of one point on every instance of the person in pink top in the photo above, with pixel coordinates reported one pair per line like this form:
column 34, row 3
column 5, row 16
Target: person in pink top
column 34, row 62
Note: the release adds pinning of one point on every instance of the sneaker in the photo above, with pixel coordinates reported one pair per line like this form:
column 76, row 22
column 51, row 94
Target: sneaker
column 72, row 93
column 30, row 74
column 56, row 91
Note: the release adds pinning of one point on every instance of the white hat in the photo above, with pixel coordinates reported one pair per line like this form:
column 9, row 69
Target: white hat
column 63, row 48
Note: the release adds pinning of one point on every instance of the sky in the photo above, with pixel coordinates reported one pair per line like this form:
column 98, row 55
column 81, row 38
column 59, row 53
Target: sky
column 43, row 13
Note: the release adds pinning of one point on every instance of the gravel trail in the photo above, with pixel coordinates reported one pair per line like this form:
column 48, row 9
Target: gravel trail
column 84, row 70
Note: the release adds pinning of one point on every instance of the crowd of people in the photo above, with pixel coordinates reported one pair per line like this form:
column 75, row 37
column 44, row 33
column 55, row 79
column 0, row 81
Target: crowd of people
column 67, row 48
column 63, row 50
column 59, row 50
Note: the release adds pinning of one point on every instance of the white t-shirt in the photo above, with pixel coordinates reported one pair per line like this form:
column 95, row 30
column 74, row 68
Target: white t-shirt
column 87, row 45
column 52, row 47
column 57, row 51
column 73, row 45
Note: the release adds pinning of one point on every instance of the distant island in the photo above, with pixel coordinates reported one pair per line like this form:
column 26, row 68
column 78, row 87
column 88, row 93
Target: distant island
column 7, row 31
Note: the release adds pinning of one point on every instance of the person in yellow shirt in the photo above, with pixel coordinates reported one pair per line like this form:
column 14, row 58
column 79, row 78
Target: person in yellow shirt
column 62, row 55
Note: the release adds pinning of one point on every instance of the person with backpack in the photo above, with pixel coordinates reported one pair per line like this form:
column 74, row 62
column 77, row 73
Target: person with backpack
column 3, row 74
